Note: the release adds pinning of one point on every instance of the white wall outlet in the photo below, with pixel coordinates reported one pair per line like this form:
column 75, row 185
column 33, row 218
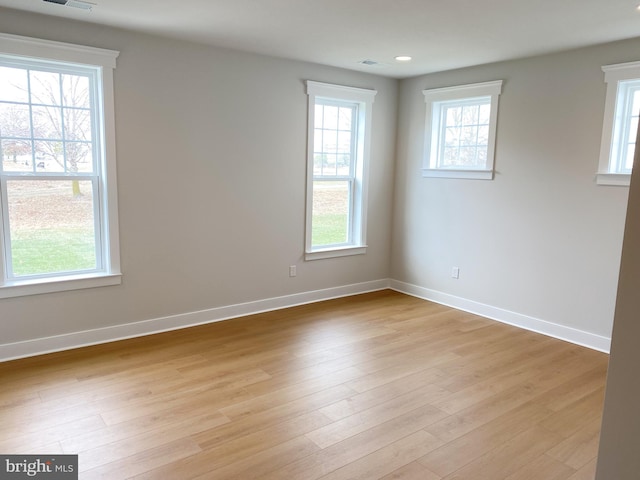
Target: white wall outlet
column 455, row 272
column 292, row 271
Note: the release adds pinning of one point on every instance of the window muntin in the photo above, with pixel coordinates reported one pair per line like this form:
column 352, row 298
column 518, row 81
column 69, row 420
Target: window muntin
column 620, row 125
column 339, row 124
column 58, row 203
column 460, row 130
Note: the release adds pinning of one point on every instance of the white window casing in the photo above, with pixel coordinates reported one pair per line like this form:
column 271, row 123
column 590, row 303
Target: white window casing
column 96, row 65
column 354, row 105
column 447, row 112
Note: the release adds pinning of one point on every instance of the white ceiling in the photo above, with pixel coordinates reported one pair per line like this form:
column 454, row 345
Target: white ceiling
column 439, row 34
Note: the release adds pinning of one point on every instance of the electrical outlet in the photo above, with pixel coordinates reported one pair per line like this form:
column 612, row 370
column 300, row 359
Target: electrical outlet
column 455, row 272
column 292, row 271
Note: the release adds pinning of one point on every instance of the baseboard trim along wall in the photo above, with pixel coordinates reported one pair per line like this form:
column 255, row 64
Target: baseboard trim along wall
column 39, row 346
column 579, row 337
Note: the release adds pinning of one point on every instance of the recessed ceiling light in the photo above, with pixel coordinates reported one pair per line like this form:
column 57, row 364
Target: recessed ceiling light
column 403, row 58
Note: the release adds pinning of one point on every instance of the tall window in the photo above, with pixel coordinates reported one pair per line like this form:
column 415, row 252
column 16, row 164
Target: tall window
column 338, row 150
column 620, row 124
column 57, row 190
column 461, row 130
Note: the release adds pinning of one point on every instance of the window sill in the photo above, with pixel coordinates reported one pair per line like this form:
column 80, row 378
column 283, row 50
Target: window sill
column 455, row 173
column 335, row 252
column 617, row 179
column 58, row 284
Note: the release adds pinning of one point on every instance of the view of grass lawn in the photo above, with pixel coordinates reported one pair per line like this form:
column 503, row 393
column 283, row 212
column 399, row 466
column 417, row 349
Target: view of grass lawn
column 51, row 227
column 330, row 213
column 329, row 229
column 49, row 251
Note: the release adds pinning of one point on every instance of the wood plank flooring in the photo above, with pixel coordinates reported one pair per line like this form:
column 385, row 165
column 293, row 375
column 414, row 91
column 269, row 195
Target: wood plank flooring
column 375, row 386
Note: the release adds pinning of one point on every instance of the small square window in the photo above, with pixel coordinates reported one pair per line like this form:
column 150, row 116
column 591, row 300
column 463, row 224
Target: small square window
column 461, row 130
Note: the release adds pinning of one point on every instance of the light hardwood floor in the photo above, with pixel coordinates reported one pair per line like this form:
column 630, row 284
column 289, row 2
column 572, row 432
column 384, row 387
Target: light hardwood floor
column 380, row 385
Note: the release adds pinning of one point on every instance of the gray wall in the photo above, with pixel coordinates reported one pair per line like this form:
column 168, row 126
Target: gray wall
column 542, row 239
column 211, row 156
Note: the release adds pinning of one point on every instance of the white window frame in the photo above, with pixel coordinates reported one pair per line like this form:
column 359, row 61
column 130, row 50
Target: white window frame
column 438, row 98
column 104, row 62
column 621, row 80
column 364, row 99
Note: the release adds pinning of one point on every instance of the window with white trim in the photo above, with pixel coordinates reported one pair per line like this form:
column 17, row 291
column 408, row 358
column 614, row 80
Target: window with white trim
column 58, row 212
column 460, row 130
column 620, row 126
column 338, row 155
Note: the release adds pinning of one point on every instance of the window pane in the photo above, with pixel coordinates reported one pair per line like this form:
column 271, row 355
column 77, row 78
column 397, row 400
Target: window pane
column 485, row 114
column 51, row 226
column 49, row 157
column 330, row 141
column 318, row 160
column 330, row 217
column 344, row 142
column 16, row 156
column 14, row 120
column 483, row 135
column 75, row 91
column 482, row 156
column 13, row 84
column 449, row 157
column 633, row 130
column 628, row 164
column 330, row 117
column 77, row 124
column 317, row 140
column 343, row 163
column 635, row 108
column 453, row 116
column 468, row 156
column 452, row 137
column 345, row 119
column 469, row 136
column 319, row 114
column 47, row 122
column 79, row 157
column 470, row 115
column 45, row 88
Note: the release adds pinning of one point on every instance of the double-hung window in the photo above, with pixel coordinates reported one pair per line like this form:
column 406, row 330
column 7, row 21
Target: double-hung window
column 58, row 213
column 620, row 126
column 461, row 130
column 338, row 156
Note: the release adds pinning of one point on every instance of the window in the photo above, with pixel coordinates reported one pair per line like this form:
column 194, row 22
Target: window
column 461, row 130
column 338, row 156
column 620, row 124
column 58, row 212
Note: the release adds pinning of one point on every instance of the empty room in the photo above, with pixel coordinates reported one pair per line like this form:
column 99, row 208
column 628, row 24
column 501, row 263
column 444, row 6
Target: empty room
column 319, row 240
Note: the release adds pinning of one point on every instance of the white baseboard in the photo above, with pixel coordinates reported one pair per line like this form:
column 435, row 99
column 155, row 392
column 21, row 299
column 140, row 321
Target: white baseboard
column 579, row 337
column 39, row 346
column 85, row 338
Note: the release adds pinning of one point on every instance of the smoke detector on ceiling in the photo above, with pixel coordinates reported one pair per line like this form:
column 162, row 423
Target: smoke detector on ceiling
column 73, row 3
